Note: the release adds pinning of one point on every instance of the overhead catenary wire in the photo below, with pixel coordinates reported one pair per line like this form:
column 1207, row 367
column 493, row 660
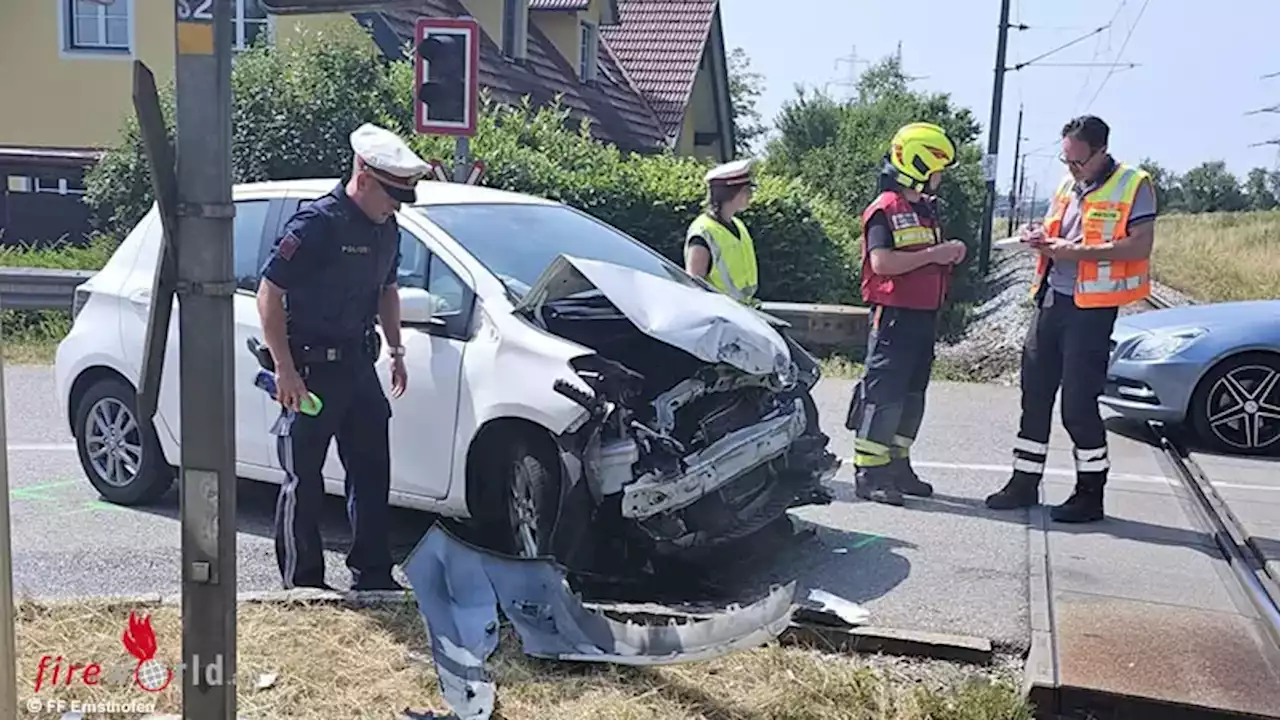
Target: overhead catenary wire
column 1119, row 54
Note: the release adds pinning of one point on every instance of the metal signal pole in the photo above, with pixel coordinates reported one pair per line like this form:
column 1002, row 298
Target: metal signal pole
column 1013, row 183
column 206, row 289
column 993, row 141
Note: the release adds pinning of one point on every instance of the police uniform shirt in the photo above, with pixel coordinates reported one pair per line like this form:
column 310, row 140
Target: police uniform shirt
column 1062, row 273
column 880, row 235
column 333, row 262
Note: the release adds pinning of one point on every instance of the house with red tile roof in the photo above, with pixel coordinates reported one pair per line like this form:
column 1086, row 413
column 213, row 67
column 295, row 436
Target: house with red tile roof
column 648, row 74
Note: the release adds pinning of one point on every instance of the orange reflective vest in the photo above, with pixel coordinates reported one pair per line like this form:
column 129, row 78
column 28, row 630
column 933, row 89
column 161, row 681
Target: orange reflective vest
column 1104, row 215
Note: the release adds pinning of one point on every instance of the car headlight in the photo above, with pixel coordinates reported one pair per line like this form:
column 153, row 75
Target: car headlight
column 1161, row 345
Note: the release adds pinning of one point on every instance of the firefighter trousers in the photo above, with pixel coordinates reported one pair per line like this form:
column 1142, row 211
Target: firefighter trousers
column 888, row 407
column 1067, row 347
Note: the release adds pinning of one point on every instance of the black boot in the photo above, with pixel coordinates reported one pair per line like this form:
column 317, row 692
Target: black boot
column 906, row 480
column 1084, row 505
column 1022, row 491
column 877, row 485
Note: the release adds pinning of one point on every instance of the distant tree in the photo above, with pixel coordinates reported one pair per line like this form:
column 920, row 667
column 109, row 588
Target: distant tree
column 1167, row 186
column 1210, row 187
column 745, row 87
column 1260, row 187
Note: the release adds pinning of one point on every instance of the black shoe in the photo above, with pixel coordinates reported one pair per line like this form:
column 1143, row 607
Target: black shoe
column 877, row 486
column 317, row 585
column 1022, row 491
column 906, row 480
column 386, row 583
column 1084, row 505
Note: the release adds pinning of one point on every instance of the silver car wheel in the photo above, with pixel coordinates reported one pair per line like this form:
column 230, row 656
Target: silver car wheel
column 113, row 442
column 1243, row 408
column 524, row 511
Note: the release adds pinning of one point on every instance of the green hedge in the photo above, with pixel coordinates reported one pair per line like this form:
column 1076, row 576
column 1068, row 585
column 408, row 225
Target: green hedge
column 296, row 103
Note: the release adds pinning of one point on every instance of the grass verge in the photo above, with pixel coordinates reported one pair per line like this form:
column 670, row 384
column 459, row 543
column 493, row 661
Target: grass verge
column 842, row 367
column 1219, row 256
column 329, row 661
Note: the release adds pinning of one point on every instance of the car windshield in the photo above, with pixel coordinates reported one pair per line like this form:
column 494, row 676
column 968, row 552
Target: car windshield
column 518, row 242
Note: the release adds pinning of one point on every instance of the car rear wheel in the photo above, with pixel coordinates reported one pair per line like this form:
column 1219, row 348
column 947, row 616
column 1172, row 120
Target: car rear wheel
column 1236, row 407
column 120, row 455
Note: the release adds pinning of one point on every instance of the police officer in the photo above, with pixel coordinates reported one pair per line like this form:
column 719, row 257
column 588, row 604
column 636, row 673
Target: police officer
column 1094, row 251
column 906, row 269
column 327, row 279
column 717, row 245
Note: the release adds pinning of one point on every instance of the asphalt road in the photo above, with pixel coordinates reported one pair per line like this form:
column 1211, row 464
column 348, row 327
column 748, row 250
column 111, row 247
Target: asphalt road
column 946, row 564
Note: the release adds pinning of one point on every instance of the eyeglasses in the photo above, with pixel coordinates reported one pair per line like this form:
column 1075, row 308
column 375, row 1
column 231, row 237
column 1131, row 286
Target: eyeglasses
column 1077, row 164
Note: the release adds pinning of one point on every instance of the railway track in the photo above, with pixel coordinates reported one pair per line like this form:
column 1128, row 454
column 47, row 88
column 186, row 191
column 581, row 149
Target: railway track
column 1159, row 300
column 1246, row 563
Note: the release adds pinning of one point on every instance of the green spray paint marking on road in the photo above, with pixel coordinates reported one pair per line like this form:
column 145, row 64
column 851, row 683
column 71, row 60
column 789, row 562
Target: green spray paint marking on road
column 37, row 492
column 866, row 541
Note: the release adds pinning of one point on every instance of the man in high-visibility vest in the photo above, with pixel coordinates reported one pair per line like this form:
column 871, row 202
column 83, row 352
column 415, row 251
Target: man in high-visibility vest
column 718, row 246
column 1094, row 251
column 906, row 271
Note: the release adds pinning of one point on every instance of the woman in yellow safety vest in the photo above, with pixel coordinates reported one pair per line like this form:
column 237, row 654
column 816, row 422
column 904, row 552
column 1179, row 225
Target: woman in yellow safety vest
column 717, row 246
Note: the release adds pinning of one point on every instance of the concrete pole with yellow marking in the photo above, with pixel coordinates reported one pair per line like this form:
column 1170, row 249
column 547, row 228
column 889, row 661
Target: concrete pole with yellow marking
column 206, row 291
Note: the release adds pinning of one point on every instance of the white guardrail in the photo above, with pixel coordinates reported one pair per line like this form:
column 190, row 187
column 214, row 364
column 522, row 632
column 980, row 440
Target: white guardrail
column 39, row 288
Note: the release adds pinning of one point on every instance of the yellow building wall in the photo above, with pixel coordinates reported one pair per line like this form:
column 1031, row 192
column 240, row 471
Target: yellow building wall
column 489, row 14
column 57, row 99
column 561, row 28
column 700, row 117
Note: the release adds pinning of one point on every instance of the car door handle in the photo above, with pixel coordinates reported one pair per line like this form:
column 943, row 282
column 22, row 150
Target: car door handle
column 141, row 298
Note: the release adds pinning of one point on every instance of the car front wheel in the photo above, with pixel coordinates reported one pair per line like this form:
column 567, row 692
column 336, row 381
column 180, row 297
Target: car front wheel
column 532, row 492
column 1236, row 407
column 119, row 454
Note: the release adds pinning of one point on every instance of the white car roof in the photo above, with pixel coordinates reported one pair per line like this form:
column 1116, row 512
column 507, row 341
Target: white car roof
column 430, row 192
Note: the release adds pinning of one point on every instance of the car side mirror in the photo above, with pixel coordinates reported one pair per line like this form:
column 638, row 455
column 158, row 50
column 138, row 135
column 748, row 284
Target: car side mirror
column 418, row 308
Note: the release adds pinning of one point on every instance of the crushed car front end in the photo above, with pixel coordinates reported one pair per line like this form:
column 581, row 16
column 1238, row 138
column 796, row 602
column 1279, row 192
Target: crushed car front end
column 701, row 428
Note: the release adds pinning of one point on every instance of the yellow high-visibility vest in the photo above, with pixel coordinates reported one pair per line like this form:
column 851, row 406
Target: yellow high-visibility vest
column 733, row 259
column 1104, row 218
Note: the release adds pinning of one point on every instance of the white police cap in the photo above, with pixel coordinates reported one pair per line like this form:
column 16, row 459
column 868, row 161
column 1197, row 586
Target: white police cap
column 386, row 157
column 737, row 172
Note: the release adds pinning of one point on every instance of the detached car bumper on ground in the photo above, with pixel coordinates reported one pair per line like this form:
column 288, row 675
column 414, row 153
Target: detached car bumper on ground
column 1213, row 368
column 571, row 392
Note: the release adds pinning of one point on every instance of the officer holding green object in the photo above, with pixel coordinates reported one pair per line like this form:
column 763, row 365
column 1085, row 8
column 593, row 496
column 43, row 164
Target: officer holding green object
column 332, row 274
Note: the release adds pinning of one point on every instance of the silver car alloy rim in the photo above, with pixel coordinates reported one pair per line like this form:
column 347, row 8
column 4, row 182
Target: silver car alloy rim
column 524, row 511
column 1244, row 407
column 113, row 442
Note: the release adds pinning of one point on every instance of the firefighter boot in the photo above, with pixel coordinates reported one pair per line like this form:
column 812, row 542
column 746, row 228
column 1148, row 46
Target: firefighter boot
column 1022, row 491
column 1085, row 503
column 906, row 480
column 877, row 485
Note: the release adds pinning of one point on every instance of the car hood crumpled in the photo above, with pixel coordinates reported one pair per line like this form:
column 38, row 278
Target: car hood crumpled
column 710, row 326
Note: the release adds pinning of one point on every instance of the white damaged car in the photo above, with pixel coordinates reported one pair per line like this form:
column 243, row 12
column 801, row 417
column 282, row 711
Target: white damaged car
column 571, row 392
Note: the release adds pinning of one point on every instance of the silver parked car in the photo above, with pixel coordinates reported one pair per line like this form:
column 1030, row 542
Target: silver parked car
column 1214, row 369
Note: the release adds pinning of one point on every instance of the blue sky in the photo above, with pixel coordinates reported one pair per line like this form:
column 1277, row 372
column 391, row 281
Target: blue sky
column 1156, row 110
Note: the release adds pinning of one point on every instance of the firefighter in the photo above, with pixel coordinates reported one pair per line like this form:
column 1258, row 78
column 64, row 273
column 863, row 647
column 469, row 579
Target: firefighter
column 906, row 270
column 1094, row 249
column 717, row 245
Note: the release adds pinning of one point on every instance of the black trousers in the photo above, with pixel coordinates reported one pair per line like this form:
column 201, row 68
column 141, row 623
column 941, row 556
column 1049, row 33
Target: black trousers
column 357, row 413
column 1067, row 347
column 899, row 361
